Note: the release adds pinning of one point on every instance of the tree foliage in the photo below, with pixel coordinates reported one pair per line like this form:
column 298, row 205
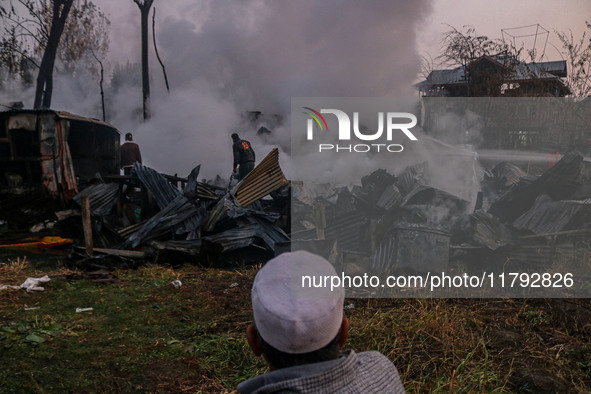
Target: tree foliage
column 25, row 31
column 86, row 32
column 577, row 54
column 460, row 47
column 125, row 76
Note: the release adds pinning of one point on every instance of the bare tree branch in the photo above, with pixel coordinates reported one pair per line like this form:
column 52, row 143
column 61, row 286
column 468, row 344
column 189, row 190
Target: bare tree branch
column 156, row 50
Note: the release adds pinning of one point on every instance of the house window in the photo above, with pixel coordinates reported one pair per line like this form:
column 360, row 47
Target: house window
column 523, row 139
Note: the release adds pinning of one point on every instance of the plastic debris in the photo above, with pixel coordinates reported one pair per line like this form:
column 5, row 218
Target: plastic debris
column 78, row 310
column 9, row 287
column 234, row 285
column 46, row 225
column 350, row 306
column 176, row 283
column 32, row 284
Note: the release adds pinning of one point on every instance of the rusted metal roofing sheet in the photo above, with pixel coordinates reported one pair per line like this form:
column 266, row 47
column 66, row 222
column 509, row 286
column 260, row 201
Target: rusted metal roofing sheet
column 265, row 178
column 70, row 116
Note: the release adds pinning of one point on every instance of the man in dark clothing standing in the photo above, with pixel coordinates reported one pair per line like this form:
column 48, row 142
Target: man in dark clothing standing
column 130, row 153
column 243, row 156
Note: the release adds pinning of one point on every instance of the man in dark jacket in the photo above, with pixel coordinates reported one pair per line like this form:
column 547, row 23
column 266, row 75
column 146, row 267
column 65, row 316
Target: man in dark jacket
column 244, row 156
column 130, row 153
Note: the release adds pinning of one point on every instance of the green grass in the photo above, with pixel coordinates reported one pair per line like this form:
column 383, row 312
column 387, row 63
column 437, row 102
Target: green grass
column 144, row 335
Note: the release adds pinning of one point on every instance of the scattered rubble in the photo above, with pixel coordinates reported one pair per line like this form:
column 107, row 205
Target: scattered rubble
column 389, row 221
column 401, row 222
column 138, row 217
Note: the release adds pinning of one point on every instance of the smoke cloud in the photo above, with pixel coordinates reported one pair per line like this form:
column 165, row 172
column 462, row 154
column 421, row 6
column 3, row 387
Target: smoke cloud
column 225, row 58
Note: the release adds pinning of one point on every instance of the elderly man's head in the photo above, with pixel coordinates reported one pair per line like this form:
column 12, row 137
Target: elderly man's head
column 295, row 325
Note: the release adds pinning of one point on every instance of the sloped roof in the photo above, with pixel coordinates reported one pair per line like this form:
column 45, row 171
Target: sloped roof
column 522, row 71
column 59, row 114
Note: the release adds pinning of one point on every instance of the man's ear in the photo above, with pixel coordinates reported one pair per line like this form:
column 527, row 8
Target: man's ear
column 344, row 332
column 254, row 341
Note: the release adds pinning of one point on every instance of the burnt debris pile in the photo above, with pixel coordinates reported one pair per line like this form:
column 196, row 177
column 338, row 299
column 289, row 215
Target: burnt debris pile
column 401, row 222
column 387, row 221
column 148, row 216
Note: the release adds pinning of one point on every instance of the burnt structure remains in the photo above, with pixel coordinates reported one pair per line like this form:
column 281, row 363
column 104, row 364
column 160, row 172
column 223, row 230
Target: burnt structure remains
column 60, row 168
column 56, row 149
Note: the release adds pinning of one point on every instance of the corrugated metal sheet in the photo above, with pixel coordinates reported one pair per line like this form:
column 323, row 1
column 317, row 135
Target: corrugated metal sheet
column 422, row 249
column 209, row 192
column 520, row 71
column 174, row 215
column 507, row 174
column 304, row 235
column 70, row 116
column 272, row 234
column 390, row 197
column 162, row 190
column 489, row 231
column 191, row 247
column 411, row 177
column 265, row 178
column 241, row 237
column 218, row 212
column 164, row 193
column 192, row 180
column 102, row 198
column 559, row 182
column 427, row 195
column 384, row 255
column 549, row 216
column 56, row 161
column 532, row 254
column 349, row 229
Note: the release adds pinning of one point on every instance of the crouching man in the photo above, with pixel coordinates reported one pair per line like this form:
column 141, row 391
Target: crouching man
column 300, row 331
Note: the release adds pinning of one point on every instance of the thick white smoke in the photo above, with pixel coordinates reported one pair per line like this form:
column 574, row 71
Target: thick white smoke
column 225, row 58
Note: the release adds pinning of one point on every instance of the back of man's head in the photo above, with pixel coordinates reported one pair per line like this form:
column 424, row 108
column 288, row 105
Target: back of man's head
column 128, row 137
column 293, row 317
column 235, row 137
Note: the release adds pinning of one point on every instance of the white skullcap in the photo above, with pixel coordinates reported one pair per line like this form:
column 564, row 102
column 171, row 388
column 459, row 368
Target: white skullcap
column 290, row 318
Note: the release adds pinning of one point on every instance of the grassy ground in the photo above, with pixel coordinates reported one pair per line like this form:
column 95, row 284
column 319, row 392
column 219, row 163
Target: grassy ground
column 145, row 335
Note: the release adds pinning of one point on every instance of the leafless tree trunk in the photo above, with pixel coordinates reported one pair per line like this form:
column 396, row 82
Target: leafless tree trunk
column 144, row 6
column 61, row 9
